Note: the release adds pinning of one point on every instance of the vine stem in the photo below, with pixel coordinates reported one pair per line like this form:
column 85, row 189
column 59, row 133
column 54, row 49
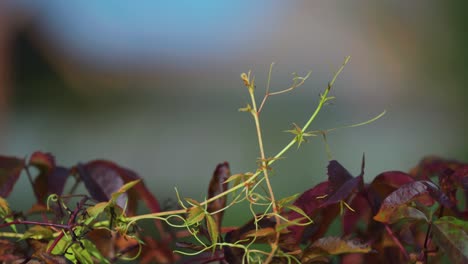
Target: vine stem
column 255, row 114
column 319, row 107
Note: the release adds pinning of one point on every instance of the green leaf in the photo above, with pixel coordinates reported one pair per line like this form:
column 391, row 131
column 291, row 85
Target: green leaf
column 297, row 210
column 5, row 213
column 97, row 209
column 287, row 200
column 93, row 251
column 122, row 190
column 82, row 255
column 38, row 232
column 196, row 215
column 212, row 228
column 451, row 234
column 407, row 212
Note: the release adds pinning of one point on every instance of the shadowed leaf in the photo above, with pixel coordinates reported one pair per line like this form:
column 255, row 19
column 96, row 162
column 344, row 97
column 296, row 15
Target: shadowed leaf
column 218, row 185
column 342, row 184
column 10, row 170
column 337, row 175
column 451, row 234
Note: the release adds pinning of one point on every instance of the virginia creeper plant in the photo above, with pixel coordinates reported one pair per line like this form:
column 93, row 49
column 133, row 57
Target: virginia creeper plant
column 418, row 216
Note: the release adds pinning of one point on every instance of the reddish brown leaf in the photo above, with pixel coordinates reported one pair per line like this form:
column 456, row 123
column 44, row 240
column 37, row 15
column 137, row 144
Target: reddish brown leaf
column 10, row 170
column 43, row 161
column 217, row 186
column 384, row 184
column 423, row 191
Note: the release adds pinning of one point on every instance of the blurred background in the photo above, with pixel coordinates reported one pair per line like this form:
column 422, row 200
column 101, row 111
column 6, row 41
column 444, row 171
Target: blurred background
column 155, row 85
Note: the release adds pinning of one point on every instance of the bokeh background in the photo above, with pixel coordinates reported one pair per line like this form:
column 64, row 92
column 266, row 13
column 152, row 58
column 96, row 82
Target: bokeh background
column 155, row 85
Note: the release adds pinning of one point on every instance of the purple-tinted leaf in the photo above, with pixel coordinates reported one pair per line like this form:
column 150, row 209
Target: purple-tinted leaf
column 10, row 170
column 337, row 175
column 451, row 234
column 101, row 181
column 102, row 178
column 342, row 183
column 345, row 191
column 218, row 185
column 423, row 191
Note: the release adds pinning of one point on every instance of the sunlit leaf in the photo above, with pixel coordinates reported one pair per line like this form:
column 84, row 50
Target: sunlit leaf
column 213, row 230
column 337, row 245
column 38, row 232
column 451, row 234
column 287, row 200
column 262, row 232
column 195, row 215
column 123, row 189
column 10, row 170
column 407, row 212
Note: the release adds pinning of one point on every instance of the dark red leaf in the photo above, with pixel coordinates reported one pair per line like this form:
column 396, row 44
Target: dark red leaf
column 310, row 202
column 433, row 166
column 217, row 186
column 10, row 170
column 157, row 252
column 362, row 212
